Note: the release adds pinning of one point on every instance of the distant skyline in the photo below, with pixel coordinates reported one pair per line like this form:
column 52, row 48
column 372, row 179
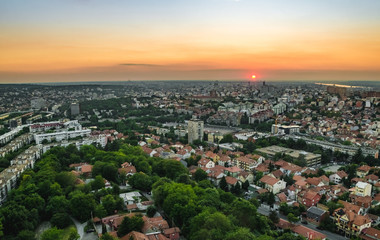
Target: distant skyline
column 115, row 40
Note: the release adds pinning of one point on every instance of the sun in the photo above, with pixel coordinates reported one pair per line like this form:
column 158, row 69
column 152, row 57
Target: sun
column 253, row 76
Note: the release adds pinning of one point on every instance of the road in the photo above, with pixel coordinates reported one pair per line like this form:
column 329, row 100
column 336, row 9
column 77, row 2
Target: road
column 80, row 228
column 329, row 235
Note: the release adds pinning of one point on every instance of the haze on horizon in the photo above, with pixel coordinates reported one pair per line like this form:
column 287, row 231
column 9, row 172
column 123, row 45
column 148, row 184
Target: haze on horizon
column 97, row 40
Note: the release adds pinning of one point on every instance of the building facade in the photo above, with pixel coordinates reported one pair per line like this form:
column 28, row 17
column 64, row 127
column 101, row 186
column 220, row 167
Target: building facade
column 195, row 130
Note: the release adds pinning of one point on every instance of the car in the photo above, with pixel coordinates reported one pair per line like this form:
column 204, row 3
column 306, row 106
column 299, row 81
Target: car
column 304, row 222
column 90, row 230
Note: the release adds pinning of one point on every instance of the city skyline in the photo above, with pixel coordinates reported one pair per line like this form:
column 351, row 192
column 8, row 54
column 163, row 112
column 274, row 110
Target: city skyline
column 92, row 40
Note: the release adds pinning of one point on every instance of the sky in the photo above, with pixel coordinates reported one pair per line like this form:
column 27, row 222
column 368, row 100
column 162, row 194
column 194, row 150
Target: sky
column 119, row 40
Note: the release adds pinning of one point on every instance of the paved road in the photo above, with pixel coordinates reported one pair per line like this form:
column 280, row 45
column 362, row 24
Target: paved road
column 329, row 235
column 80, row 228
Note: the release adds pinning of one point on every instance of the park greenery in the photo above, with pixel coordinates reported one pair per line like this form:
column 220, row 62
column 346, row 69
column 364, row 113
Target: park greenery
column 51, row 192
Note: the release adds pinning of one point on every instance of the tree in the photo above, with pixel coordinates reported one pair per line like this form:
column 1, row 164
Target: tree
column 250, row 147
column 141, row 181
column 245, row 185
column 100, row 211
column 258, row 176
column 26, row 235
column 106, row 236
column 1, row 229
column 57, row 204
column 213, row 226
column 227, row 139
column 236, row 189
column 17, row 218
column 200, row 175
column 73, row 234
column 151, row 211
column 61, row 220
column 134, row 223
column 81, row 205
column 52, row 234
column 223, row 184
column 271, row 199
column 290, row 236
column 241, row 234
column 184, row 178
column 109, row 204
column 273, row 216
column 98, row 183
column 65, row 179
column 292, row 218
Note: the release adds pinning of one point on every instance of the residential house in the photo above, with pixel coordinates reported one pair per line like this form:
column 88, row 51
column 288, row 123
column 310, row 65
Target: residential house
column 350, row 223
column 172, row 233
column 272, row 184
column 338, row 177
column 363, row 171
column 127, row 168
column 155, row 224
column 213, row 156
column 316, row 215
column 231, row 181
column 315, row 182
column 246, row 176
column 245, row 163
column 364, row 202
column 362, row 189
column 206, row 163
column 291, row 169
column 370, row 234
column 372, row 178
column 309, row 198
column 232, row 171
column 224, row 160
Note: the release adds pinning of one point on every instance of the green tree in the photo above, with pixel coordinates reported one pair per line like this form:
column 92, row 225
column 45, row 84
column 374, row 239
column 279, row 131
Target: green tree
column 57, row 204
column 65, row 179
column 26, row 235
column 213, row 226
column 236, row 189
column 273, row 216
column 292, row 218
column 141, row 181
column 151, row 211
column 223, row 184
column 134, row 223
column 227, row 139
column 271, row 199
column 106, row 236
column 73, row 235
column 184, row 178
column 81, row 205
column 241, row 234
column 111, row 203
column 245, row 185
column 200, row 175
column 61, row 220
column 98, row 183
column 52, row 234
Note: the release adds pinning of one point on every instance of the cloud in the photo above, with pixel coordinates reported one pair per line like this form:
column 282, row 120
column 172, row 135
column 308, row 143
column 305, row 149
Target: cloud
column 140, row 65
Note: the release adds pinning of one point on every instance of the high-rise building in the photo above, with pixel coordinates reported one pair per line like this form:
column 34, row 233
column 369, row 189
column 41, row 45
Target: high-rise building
column 75, row 110
column 195, row 130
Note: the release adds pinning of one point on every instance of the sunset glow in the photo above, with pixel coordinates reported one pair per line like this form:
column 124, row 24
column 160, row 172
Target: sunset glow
column 95, row 40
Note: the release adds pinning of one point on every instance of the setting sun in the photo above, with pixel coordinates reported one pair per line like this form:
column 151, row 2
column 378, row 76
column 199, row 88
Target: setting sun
column 253, row 76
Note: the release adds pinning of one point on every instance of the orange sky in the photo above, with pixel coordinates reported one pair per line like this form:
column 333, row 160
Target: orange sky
column 208, row 39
